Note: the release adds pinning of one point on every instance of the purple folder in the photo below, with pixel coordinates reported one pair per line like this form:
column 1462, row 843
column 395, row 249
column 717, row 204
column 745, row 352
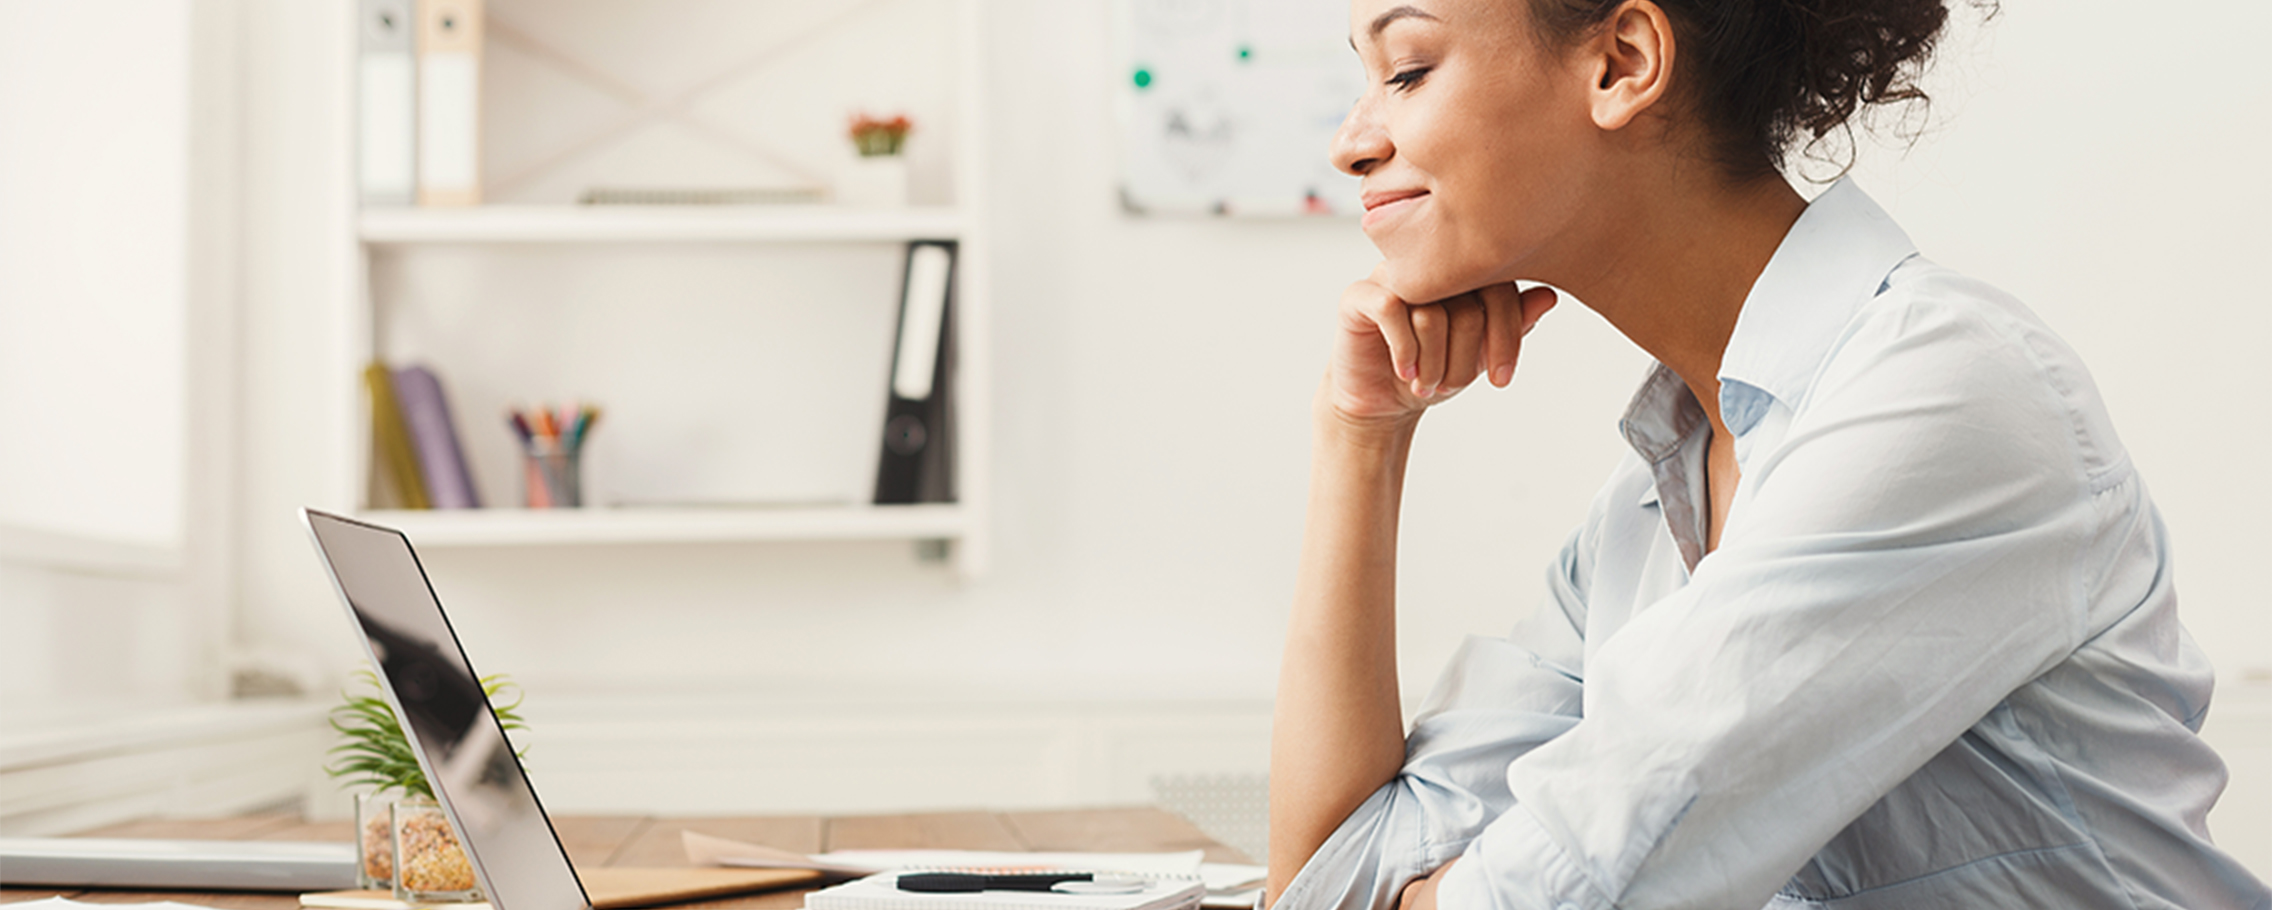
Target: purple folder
column 449, row 485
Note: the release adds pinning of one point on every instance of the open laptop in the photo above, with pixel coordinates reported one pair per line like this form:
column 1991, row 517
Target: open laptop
column 515, row 853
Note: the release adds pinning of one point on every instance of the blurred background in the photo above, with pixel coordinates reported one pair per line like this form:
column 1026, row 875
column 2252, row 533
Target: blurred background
column 198, row 263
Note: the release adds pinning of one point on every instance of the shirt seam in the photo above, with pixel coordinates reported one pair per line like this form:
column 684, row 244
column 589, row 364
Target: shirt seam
column 2094, row 482
column 2112, row 476
column 2097, row 480
column 2099, row 510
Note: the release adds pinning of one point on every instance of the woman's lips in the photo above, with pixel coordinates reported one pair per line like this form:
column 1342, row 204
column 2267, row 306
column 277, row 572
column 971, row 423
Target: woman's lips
column 1385, row 204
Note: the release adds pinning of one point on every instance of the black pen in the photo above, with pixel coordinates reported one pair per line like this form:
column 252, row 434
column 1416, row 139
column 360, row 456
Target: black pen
column 942, row 882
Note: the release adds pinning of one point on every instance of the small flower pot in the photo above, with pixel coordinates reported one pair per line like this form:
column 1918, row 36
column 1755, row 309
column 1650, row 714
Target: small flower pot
column 374, row 841
column 430, row 865
column 877, row 181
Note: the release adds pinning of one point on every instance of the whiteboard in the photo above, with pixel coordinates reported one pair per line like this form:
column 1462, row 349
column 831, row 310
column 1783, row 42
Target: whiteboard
column 1228, row 107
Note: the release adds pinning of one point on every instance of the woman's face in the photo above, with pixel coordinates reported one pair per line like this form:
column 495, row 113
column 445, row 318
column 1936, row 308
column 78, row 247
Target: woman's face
column 1473, row 140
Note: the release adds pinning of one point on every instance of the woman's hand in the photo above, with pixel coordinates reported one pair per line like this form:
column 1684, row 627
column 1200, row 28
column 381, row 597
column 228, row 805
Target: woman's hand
column 1420, row 893
column 1392, row 359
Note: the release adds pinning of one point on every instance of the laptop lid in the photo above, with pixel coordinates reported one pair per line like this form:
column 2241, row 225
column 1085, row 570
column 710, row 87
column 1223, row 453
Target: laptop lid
column 516, row 855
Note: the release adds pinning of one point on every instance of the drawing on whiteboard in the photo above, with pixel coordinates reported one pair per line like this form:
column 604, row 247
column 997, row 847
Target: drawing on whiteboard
column 1198, row 139
column 1229, row 107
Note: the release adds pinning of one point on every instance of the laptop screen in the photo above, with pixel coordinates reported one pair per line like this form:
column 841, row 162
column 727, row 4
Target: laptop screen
column 458, row 740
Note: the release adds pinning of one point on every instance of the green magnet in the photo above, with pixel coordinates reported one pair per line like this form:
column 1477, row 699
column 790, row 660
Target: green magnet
column 1143, row 78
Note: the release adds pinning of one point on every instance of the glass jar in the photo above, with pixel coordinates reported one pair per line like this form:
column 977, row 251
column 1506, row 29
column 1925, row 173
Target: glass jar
column 430, row 865
column 374, row 841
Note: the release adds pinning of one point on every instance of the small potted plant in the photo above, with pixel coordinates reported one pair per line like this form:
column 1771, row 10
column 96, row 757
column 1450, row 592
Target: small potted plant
column 403, row 841
column 876, row 137
column 877, row 175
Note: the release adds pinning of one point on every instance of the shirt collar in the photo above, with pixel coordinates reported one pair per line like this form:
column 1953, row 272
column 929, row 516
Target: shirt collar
column 1661, row 416
column 1835, row 259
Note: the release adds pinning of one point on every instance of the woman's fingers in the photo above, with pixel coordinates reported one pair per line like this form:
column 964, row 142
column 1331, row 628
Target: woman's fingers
column 1502, row 331
column 1510, row 315
column 1536, row 302
column 1374, row 304
column 1432, row 327
column 1451, row 344
column 1464, row 357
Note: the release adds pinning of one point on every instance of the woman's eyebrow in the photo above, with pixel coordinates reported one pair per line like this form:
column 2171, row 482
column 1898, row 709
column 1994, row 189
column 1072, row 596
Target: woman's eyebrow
column 1380, row 22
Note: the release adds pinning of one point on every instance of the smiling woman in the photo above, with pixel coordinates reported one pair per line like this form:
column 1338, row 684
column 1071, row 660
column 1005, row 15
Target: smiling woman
column 1879, row 613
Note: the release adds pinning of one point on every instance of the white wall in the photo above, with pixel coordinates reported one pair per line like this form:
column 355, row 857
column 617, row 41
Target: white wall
column 116, row 251
column 1152, row 379
column 93, row 204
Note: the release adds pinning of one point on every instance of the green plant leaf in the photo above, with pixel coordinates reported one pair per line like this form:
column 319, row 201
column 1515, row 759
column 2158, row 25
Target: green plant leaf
column 373, row 750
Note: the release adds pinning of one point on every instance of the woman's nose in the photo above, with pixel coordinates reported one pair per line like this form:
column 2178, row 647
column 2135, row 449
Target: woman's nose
column 1360, row 144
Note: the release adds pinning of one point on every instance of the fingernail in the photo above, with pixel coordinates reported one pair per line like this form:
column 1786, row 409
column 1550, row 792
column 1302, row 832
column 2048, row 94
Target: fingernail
column 1503, row 375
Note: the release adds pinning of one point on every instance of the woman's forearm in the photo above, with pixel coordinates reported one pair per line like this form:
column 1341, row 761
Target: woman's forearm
column 1338, row 731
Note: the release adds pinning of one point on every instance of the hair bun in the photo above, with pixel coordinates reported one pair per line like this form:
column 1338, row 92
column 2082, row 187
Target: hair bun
column 1764, row 74
column 1854, row 53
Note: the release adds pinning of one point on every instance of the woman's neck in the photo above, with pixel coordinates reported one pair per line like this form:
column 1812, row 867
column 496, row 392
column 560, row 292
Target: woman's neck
column 1689, row 252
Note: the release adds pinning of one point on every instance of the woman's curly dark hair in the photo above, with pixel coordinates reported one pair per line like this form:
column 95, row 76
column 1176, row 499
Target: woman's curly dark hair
column 1763, row 74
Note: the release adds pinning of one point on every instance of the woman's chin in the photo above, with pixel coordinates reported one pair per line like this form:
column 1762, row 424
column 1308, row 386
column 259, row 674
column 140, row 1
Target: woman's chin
column 1419, row 281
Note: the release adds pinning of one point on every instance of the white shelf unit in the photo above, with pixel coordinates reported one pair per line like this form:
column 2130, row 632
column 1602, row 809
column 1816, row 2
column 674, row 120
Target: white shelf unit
column 536, row 217
column 661, row 224
column 541, row 527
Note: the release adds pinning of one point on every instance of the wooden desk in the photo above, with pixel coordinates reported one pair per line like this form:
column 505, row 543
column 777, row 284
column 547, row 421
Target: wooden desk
column 630, row 841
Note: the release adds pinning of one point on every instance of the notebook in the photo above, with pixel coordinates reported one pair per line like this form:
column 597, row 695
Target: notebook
column 516, row 855
column 1230, row 886
column 881, row 892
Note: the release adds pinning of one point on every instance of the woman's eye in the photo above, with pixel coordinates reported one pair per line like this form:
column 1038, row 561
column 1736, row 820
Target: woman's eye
column 1404, row 80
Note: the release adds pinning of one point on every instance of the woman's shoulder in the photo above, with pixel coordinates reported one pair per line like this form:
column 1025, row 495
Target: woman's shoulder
column 1922, row 301
column 1937, row 339
column 1972, row 330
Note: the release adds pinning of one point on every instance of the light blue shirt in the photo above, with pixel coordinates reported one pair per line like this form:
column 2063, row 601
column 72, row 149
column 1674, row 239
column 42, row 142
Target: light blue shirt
column 1935, row 661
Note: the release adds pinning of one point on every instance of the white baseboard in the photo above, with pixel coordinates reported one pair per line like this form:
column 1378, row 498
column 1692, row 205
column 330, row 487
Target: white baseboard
column 727, row 756
column 76, row 771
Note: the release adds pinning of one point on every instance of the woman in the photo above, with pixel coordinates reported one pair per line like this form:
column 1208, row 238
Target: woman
column 1877, row 615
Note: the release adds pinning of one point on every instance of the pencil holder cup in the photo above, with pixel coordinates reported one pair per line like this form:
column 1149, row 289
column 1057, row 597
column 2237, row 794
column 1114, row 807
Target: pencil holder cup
column 374, row 841
column 555, row 476
column 430, row 864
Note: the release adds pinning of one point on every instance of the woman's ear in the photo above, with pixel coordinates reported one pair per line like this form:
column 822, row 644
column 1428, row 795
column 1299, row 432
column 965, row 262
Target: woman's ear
column 1632, row 63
